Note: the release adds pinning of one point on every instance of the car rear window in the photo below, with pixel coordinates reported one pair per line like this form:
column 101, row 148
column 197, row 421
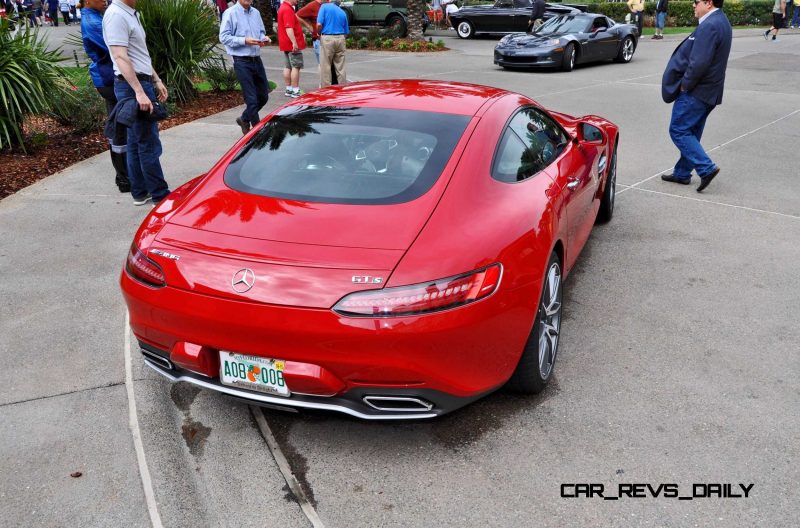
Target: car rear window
column 346, row 155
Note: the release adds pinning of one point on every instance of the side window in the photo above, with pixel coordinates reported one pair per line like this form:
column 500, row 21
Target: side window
column 531, row 142
column 519, row 4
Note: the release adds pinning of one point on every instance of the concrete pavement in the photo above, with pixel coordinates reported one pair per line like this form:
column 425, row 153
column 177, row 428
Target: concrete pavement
column 677, row 363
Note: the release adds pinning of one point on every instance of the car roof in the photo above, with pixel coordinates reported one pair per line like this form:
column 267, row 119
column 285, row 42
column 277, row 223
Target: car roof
column 407, row 94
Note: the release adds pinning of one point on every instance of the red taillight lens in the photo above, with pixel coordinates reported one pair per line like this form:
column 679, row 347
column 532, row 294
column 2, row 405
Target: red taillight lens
column 143, row 269
column 423, row 298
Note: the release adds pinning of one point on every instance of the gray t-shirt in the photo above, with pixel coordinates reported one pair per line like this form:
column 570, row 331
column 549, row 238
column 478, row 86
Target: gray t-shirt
column 121, row 27
column 776, row 8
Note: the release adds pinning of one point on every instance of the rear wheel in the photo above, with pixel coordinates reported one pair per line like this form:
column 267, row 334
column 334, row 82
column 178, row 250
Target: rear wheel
column 535, row 367
column 398, row 25
column 465, row 29
column 568, row 61
column 626, row 50
column 606, row 210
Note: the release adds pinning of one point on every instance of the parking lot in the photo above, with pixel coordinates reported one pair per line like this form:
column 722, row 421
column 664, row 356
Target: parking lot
column 677, row 364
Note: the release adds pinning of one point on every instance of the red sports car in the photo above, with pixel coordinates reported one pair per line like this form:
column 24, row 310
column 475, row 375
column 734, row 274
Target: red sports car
column 388, row 249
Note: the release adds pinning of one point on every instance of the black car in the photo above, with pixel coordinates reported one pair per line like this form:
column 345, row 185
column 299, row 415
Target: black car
column 505, row 16
column 567, row 40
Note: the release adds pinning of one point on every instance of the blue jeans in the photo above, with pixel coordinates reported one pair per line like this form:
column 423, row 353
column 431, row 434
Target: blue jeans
column 144, row 149
column 255, row 87
column 689, row 116
column 316, row 49
column 796, row 16
column 661, row 18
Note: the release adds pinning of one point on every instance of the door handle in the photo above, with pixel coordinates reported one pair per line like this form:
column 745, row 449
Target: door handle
column 573, row 183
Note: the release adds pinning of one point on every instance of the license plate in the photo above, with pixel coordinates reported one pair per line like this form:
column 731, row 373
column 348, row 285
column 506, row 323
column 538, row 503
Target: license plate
column 253, row 373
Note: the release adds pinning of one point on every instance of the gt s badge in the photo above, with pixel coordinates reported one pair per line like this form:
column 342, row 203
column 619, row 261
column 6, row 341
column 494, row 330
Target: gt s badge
column 366, row 279
column 165, row 254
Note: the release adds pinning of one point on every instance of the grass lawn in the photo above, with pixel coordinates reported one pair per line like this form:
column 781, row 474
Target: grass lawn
column 688, row 29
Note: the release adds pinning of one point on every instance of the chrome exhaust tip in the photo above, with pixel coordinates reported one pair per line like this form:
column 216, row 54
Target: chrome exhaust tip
column 161, row 361
column 397, row 403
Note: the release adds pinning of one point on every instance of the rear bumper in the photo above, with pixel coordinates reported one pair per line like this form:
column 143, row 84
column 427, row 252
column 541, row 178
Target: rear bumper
column 447, row 359
column 363, row 403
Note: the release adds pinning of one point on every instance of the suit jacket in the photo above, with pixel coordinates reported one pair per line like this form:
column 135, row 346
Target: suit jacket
column 698, row 64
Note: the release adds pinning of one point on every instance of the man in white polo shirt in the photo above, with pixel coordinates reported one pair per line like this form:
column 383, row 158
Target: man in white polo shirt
column 135, row 78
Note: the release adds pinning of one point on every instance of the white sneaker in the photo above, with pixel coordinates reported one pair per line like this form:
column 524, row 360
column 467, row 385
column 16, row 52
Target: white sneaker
column 288, row 92
column 142, row 201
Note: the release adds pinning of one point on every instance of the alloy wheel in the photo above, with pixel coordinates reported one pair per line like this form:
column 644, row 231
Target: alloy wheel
column 612, row 179
column 627, row 50
column 550, row 320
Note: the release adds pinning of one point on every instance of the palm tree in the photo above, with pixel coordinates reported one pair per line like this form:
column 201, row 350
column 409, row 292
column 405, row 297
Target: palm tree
column 415, row 9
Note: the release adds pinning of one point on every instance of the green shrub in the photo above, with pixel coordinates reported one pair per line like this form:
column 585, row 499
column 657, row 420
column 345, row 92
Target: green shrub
column 79, row 107
column 440, row 44
column 403, row 46
column 363, row 42
column 416, row 45
column 387, row 43
column 29, row 74
column 218, row 74
column 349, row 42
column 681, row 13
column 181, row 35
column 374, row 33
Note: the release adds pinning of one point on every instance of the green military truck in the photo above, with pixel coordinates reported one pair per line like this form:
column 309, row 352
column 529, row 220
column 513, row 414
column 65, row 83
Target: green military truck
column 383, row 13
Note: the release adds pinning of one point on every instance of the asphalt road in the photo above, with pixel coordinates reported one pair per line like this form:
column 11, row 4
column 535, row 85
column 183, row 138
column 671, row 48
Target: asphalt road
column 678, row 360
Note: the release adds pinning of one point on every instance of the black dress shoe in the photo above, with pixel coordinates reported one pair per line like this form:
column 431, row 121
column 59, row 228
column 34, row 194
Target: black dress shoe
column 705, row 180
column 672, row 178
column 243, row 124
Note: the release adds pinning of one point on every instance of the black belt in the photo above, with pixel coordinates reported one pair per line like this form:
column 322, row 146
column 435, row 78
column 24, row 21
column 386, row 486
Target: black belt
column 246, row 58
column 140, row 76
column 333, row 34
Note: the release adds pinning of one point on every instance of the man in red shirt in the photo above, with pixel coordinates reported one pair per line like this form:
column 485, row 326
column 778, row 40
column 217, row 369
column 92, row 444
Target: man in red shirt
column 292, row 43
column 307, row 16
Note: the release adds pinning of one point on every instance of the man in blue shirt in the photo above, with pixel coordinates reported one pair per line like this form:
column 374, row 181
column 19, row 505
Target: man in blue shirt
column 102, row 72
column 333, row 29
column 243, row 35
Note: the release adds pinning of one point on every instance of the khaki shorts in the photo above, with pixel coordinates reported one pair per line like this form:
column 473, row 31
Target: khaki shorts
column 293, row 59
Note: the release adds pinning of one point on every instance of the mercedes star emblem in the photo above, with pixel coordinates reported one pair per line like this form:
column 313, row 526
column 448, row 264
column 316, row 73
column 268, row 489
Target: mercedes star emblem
column 243, row 280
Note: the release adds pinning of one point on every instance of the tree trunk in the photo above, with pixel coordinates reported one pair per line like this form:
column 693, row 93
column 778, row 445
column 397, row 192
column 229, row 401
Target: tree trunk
column 415, row 9
column 265, row 10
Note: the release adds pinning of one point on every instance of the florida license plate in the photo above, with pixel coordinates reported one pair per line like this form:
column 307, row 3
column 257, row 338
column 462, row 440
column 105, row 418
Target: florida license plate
column 253, row 373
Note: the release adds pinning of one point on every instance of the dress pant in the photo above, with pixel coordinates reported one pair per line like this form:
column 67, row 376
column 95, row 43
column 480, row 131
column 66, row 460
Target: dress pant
column 118, row 144
column 332, row 49
column 689, row 116
column 255, row 86
column 144, row 149
column 53, row 14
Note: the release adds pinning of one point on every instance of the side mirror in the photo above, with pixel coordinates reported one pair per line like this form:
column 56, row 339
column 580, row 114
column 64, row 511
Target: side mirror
column 590, row 134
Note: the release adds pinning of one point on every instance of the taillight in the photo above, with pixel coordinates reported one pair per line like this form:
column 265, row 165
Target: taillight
column 143, row 269
column 416, row 299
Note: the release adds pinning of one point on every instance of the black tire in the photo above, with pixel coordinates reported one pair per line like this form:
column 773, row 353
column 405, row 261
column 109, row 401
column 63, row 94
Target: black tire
column 568, row 60
column 399, row 25
column 606, row 210
column 536, row 366
column 465, row 29
column 626, row 50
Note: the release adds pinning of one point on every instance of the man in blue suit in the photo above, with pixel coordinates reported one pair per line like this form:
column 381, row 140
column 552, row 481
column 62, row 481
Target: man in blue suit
column 694, row 80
